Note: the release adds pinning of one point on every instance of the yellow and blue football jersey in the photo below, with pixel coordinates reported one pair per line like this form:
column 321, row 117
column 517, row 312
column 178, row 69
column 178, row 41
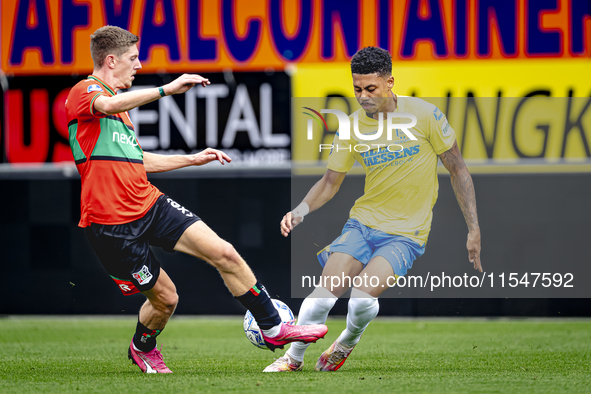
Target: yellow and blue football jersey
column 401, row 182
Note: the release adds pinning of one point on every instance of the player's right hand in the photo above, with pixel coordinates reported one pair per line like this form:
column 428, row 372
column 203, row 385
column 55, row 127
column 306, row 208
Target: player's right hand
column 473, row 246
column 288, row 223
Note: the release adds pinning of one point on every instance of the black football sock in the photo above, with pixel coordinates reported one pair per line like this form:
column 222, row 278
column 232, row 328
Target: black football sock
column 144, row 338
column 257, row 301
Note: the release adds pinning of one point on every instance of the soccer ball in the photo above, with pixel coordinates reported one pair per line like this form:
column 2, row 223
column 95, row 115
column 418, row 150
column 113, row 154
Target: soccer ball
column 251, row 328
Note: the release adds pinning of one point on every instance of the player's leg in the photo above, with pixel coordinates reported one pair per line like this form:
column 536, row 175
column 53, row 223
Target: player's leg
column 132, row 265
column 173, row 227
column 393, row 256
column 317, row 305
column 161, row 302
column 363, row 304
column 342, row 260
column 200, row 241
column 363, row 308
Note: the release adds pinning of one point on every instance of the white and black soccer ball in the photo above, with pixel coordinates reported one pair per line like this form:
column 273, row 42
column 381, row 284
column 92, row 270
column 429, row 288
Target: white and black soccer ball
column 251, row 328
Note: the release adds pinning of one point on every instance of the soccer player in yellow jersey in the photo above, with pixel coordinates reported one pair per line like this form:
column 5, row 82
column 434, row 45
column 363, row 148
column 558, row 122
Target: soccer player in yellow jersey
column 389, row 225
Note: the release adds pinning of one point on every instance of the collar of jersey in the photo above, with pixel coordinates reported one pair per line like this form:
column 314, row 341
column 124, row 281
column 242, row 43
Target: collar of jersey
column 102, row 83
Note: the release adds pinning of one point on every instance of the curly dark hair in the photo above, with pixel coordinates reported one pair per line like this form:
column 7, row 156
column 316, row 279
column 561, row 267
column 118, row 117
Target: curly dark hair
column 370, row 60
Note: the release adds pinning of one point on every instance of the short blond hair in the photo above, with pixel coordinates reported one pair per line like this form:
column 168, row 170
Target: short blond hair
column 110, row 40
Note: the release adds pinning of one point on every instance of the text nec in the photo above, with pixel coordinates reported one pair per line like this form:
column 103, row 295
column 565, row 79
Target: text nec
column 124, row 139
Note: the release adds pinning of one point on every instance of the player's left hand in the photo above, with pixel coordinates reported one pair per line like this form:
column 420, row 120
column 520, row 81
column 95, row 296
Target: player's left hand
column 473, row 246
column 208, row 155
column 184, row 83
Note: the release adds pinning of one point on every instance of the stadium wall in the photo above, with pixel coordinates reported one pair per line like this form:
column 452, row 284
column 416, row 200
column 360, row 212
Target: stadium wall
column 51, row 269
column 469, row 55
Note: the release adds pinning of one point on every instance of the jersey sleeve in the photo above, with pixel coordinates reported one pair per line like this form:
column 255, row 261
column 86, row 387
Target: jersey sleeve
column 341, row 157
column 88, row 93
column 441, row 135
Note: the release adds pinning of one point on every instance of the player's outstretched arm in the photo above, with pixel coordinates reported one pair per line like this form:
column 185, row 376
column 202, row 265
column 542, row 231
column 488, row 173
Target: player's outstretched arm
column 161, row 163
column 461, row 182
column 319, row 194
column 130, row 100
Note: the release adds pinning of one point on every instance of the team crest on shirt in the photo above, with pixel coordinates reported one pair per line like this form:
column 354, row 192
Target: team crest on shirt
column 94, row 88
column 437, row 113
column 402, row 137
column 143, row 276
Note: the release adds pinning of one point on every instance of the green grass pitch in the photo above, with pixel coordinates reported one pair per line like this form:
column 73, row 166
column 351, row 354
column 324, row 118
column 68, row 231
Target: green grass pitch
column 212, row 355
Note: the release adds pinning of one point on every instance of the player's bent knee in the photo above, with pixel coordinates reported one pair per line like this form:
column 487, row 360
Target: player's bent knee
column 324, row 303
column 362, row 302
column 323, row 298
column 166, row 302
column 227, row 259
column 171, row 300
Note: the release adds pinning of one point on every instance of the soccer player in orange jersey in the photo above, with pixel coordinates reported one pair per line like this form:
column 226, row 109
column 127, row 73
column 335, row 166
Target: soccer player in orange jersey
column 124, row 214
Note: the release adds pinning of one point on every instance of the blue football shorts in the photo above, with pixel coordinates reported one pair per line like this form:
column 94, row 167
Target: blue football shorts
column 364, row 243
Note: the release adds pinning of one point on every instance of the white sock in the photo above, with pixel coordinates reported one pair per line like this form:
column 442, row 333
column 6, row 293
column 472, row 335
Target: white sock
column 314, row 310
column 273, row 331
column 363, row 308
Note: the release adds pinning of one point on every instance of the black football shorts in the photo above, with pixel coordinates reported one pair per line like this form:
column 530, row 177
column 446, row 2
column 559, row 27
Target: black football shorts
column 124, row 249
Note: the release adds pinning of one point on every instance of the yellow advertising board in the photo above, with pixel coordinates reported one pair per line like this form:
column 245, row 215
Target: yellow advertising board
column 514, row 115
column 472, row 51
